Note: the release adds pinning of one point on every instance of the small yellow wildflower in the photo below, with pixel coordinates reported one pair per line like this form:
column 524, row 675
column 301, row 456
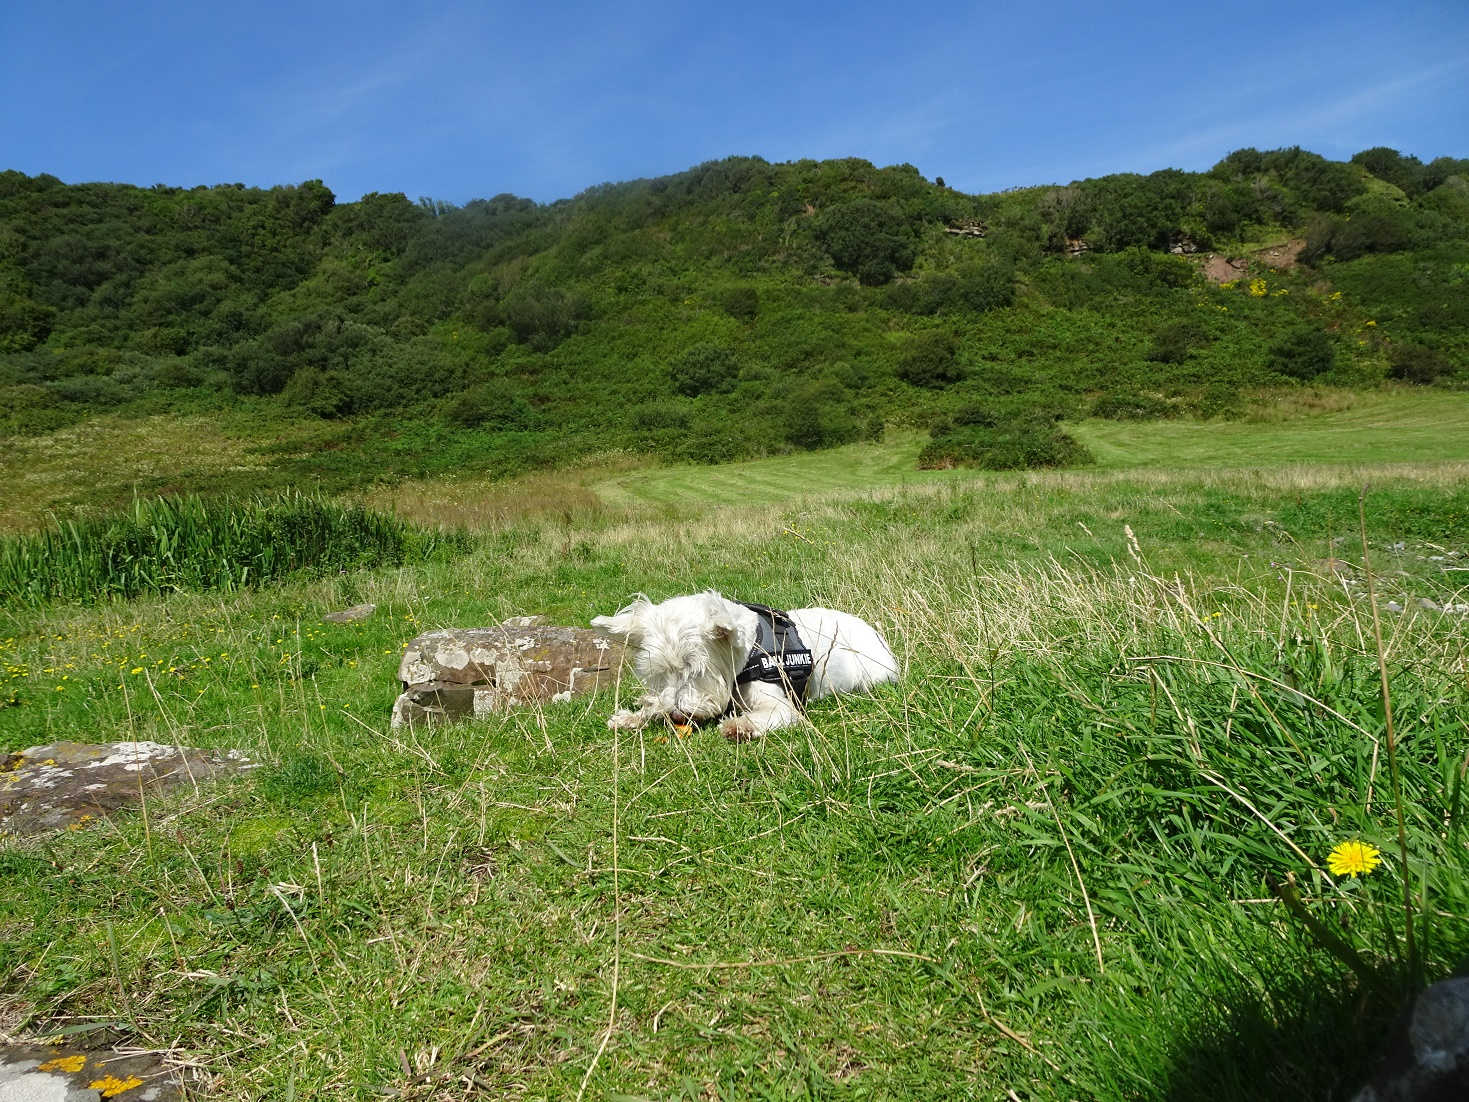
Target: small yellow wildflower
column 1352, row 859
column 136, row 669
column 1371, row 323
column 1258, row 288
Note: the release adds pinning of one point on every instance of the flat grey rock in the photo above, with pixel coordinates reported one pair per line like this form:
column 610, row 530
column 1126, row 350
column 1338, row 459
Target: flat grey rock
column 68, row 784
column 63, row 1073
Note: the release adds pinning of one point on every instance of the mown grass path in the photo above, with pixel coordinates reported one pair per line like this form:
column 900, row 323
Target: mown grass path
column 1376, row 428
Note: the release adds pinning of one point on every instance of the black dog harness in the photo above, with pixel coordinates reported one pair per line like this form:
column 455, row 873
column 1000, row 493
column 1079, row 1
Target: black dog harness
column 778, row 655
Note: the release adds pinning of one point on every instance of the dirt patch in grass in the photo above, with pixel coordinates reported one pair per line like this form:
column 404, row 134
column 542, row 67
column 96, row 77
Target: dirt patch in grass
column 1282, row 256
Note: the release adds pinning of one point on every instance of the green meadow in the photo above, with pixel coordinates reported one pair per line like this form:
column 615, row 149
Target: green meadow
column 1081, row 849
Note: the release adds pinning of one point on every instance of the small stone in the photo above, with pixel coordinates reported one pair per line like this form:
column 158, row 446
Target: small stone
column 1429, row 605
column 1393, row 606
column 349, row 615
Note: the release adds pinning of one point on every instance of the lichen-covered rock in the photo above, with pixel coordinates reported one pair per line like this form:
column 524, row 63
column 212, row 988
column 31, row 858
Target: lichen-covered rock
column 63, row 1073
column 459, row 673
column 1429, row 1058
column 66, row 784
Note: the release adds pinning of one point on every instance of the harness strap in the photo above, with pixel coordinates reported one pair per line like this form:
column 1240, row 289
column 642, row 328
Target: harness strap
column 778, row 655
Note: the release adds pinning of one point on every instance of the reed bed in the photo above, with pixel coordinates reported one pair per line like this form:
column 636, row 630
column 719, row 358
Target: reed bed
column 215, row 543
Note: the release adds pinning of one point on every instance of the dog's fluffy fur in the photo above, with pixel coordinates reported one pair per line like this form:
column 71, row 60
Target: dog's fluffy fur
column 687, row 650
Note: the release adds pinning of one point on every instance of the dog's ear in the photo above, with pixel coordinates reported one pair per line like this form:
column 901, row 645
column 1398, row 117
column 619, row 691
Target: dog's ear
column 626, row 621
column 720, row 625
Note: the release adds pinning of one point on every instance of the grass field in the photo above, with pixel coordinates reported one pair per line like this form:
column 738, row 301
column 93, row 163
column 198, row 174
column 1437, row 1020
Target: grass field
column 1382, row 428
column 1038, row 867
column 1369, row 429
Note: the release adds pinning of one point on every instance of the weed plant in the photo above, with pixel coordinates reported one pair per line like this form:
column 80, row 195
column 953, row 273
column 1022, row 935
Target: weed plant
column 1039, row 866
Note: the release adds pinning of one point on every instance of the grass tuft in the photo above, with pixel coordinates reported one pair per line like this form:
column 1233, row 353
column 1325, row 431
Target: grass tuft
column 205, row 543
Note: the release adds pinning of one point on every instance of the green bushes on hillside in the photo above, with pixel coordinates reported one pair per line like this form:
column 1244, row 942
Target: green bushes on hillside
column 868, row 239
column 1000, row 439
column 1304, row 353
column 738, row 287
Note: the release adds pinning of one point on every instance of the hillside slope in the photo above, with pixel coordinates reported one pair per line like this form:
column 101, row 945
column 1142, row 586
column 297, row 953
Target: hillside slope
column 737, row 309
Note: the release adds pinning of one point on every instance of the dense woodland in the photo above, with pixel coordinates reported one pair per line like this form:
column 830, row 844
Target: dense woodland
column 738, row 308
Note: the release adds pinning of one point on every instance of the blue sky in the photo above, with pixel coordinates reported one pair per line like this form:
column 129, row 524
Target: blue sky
column 464, row 100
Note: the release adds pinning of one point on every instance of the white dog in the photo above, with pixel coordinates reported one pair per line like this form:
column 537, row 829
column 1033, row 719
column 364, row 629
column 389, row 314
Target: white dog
column 704, row 656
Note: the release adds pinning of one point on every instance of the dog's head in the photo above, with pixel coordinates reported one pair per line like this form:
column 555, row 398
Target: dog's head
column 687, row 650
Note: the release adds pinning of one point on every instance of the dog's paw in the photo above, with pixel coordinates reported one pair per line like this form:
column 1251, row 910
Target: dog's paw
column 738, row 729
column 625, row 720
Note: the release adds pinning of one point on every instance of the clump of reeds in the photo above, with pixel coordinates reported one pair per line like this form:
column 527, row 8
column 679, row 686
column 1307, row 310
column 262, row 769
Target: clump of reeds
column 206, row 543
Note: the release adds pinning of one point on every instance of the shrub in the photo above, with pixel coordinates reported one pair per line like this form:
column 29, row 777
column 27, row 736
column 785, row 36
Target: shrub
column 323, row 393
column 931, row 360
column 868, row 239
column 29, row 408
column 1376, row 225
column 493, row 405
column 1221, row 398
column 1174, row 341
column 819, row 415
column 1390, row 165
column 23, row 323
column 973, row 288
column 542, row 316
column 1002, row 441
column 704, row 369
column 1225, row 208
column 1304, row 353
column 1417, row 363
column 740, row 303
column 96, row 391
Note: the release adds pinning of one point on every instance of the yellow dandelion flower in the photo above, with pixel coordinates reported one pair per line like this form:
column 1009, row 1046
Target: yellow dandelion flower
column 1352, row 859
column 136, row 669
